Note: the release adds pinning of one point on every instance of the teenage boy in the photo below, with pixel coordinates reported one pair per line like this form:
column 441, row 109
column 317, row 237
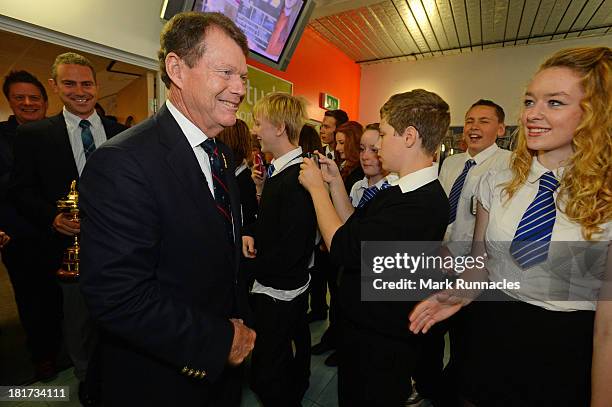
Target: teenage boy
column 281, row 242
column 460, row 176
column 376, row 354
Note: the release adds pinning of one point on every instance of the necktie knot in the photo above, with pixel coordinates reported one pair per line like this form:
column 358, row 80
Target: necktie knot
column 548, row 183
column 370, row 193
column 84, row 124
column 270, row 170
column 209, row 146
column 469, row 164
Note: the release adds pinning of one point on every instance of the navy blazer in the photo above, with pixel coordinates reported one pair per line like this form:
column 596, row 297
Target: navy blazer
column 158, row 273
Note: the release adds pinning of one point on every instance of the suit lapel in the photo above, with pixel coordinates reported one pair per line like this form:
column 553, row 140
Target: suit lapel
column 185, row 167
column 61, row 142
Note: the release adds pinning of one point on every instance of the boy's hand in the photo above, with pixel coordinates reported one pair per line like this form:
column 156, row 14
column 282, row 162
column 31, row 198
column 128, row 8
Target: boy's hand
column 258, row 179
column 248, row 247
column 329, row 169
column 310, row 175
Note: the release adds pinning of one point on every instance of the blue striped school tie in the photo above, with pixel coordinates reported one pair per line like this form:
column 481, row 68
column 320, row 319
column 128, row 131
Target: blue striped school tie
column 270, row 170
column 370, row 193
column 455, row 193
column 87, row 138
column 532, row 238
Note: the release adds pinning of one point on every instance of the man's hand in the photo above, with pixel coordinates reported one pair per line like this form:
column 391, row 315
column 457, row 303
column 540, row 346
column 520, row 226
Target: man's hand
column 243, row 343
column 65, row 226
column 248, row 247
column 4, row 239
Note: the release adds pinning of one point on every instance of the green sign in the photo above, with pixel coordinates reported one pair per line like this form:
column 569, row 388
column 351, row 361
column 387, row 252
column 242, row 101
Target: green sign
column 260, row 83
column 329, row 102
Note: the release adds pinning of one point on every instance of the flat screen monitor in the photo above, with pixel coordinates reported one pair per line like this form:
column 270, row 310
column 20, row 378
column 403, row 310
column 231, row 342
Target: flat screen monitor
column 273, row 27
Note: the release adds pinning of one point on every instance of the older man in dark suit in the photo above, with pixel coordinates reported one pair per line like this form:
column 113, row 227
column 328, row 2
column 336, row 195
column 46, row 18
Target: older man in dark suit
column 48, row 155
column 160, row 231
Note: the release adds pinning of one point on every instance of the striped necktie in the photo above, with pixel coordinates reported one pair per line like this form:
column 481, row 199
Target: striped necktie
column 455, row 193
column 532, row 238
column 222, row 199
column 370, row 193
column 87, row 138
column 270, row 170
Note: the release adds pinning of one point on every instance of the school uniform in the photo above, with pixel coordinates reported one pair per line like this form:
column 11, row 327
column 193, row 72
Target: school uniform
column 284, row 239
column 376, row 350
column 533, row 346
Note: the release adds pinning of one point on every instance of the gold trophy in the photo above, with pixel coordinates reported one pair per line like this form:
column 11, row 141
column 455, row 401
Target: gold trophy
column 70, row 264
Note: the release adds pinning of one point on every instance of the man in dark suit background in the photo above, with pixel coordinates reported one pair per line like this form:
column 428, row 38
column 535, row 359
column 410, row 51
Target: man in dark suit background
column 49, row 155
column 160, row 230
column 37, row 293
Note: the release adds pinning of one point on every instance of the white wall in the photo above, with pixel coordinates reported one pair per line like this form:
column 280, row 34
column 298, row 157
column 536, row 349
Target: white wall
column 499, row 74
column 128, row 25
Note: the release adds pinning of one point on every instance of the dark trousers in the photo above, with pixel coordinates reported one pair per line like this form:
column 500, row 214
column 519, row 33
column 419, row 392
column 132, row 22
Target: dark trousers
column 38, row 297
column 515, row 354
column 430, row 363
column 373, row 370
column 318, row 283
column 280, row 376
column 80, row 334
column 326, row 276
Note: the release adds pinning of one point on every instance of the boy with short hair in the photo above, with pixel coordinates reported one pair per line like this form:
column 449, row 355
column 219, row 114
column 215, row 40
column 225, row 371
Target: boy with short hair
column 377, row 354
column 281, row 242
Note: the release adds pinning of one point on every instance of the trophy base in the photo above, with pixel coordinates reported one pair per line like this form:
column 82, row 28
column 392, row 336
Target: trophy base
column 68, row 276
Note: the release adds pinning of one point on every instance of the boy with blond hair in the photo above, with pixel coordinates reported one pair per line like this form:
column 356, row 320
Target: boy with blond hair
column 281, row 243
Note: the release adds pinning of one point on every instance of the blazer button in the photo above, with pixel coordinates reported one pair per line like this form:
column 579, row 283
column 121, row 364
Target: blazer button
column 190, row 372
column 184, row 370
column 203, row 375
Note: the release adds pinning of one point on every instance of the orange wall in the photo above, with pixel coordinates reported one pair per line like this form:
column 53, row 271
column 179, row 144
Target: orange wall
column 318, row 66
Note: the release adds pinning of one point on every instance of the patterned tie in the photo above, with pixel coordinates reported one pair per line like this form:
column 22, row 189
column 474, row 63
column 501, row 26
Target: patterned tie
column 270, row 170
column 219, row 186
column 87, row 138
column 532, row 238
column 453, row 198
column 370, row 193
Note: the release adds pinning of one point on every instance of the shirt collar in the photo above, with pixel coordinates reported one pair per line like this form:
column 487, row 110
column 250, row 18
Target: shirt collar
column 537, row 170
column 194, row 135
column 281, row 162
column 484, row 154
column 364, row 183
column 417, row 179
column 74, row 120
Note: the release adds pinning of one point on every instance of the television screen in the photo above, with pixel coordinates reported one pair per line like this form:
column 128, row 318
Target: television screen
column 271, row 26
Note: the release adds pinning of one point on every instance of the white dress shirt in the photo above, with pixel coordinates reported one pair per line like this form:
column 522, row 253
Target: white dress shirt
column 74, row 134
column 195, row 137
column 461, row 231
column 569, row 268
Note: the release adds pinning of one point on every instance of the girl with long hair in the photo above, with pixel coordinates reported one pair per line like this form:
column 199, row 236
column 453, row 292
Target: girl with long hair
column 545, row 225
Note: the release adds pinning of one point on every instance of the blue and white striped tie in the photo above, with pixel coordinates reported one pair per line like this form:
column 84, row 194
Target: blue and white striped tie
column 455, row 193
column 270, row 170
column 370, row 193
column 532, row 238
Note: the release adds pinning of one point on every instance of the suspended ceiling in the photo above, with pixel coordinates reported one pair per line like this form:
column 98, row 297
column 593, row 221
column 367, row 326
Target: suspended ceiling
column 398, row 30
